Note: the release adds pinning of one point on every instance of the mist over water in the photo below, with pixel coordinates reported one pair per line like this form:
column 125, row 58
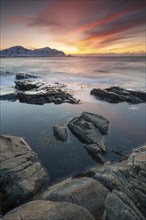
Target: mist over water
column 80, row 75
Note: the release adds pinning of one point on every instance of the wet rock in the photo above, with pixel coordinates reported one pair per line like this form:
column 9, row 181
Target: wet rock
column 98, row 120
column 117, row 94
column 26, row 85
column 60, row 132
column 20, row 76
column 85, row 131
column 21, row 175
column 38, row 93
column 95, row 151
column 10, row 96
column 47, row 210
column 84, row 192
column 89, row 129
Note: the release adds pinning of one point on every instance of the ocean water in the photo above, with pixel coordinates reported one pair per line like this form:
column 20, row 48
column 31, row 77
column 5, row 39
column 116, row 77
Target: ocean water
column 80, row 75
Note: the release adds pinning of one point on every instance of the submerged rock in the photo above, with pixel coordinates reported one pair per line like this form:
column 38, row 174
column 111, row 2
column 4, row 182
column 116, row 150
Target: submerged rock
column 95, row 151
column 47, row 210
column 89, row 129
column 117, row 94
column 21, row 175
column 60, row 132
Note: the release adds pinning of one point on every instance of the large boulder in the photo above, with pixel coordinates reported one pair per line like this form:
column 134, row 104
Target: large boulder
column 116, row 94
column 21, row 175
column 47, row 210
column 60, row 132
column 85, row 192
column 90, row 129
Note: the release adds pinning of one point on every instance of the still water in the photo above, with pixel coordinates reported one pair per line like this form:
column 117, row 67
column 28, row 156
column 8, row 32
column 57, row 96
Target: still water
column 35, row 122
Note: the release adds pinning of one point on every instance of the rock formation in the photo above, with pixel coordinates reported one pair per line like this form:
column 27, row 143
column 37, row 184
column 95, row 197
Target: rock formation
column 21, row 174
column 89, row 129
column 117, row 94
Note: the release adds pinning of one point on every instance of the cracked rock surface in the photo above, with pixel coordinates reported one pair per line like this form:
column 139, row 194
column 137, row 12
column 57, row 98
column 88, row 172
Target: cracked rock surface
column 21, row 175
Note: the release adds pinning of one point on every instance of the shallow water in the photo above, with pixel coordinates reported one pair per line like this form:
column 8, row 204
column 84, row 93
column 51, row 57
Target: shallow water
column 35, row 122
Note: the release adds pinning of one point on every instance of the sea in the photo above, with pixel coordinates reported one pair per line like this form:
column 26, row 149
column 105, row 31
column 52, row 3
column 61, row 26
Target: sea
column 78, row 75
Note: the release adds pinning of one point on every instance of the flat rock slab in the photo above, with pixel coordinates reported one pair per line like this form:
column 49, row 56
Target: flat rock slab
column 47, row 210
column 60, row 132
column 117, row 94
column 85, row 192
column 21, row 175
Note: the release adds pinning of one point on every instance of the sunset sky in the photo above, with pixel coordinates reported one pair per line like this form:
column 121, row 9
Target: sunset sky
column 75, row 26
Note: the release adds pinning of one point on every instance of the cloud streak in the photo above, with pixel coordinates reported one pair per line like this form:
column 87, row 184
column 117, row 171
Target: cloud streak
column 86, row 24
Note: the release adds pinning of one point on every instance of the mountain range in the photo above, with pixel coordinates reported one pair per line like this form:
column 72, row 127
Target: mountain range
column 19, row 51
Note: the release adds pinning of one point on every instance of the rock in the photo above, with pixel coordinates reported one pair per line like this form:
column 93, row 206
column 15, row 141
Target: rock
column 89, row 129
column 10, row 96
column 117, row 209
column 98, row 120
column 60, row 132
column 85, row 131
column 21, row 175
column 39, row 93
column 47, row 210
column 127, row 182
column 117, row 94
column 84, row 192
column 95, row 151
column 20, row 76
column 26, row 85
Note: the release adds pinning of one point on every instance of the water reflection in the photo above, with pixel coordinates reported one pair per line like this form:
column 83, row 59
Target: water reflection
column 34, row 123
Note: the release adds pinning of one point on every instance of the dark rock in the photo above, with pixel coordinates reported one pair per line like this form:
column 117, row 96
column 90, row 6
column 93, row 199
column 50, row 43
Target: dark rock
column 21, row 176
column 26, row 85
column 95, row 152
column 85, row 131
column 89, row 129
column 60, row 132
column 47, row 210
column 117, row 94
column 88, row 173
column 84, row 192
column 98, row 120
column 20, row 76
column 10, row 97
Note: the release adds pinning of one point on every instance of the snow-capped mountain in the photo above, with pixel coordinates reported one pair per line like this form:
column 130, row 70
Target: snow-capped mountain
column 19, row 51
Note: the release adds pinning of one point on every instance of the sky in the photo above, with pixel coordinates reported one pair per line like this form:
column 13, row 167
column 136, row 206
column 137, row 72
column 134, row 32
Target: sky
column 75, row 26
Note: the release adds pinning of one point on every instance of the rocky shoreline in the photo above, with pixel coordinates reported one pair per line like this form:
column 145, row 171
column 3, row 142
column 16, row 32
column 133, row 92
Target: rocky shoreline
column 108, row 192
column 38, row 92
column 31, row 90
